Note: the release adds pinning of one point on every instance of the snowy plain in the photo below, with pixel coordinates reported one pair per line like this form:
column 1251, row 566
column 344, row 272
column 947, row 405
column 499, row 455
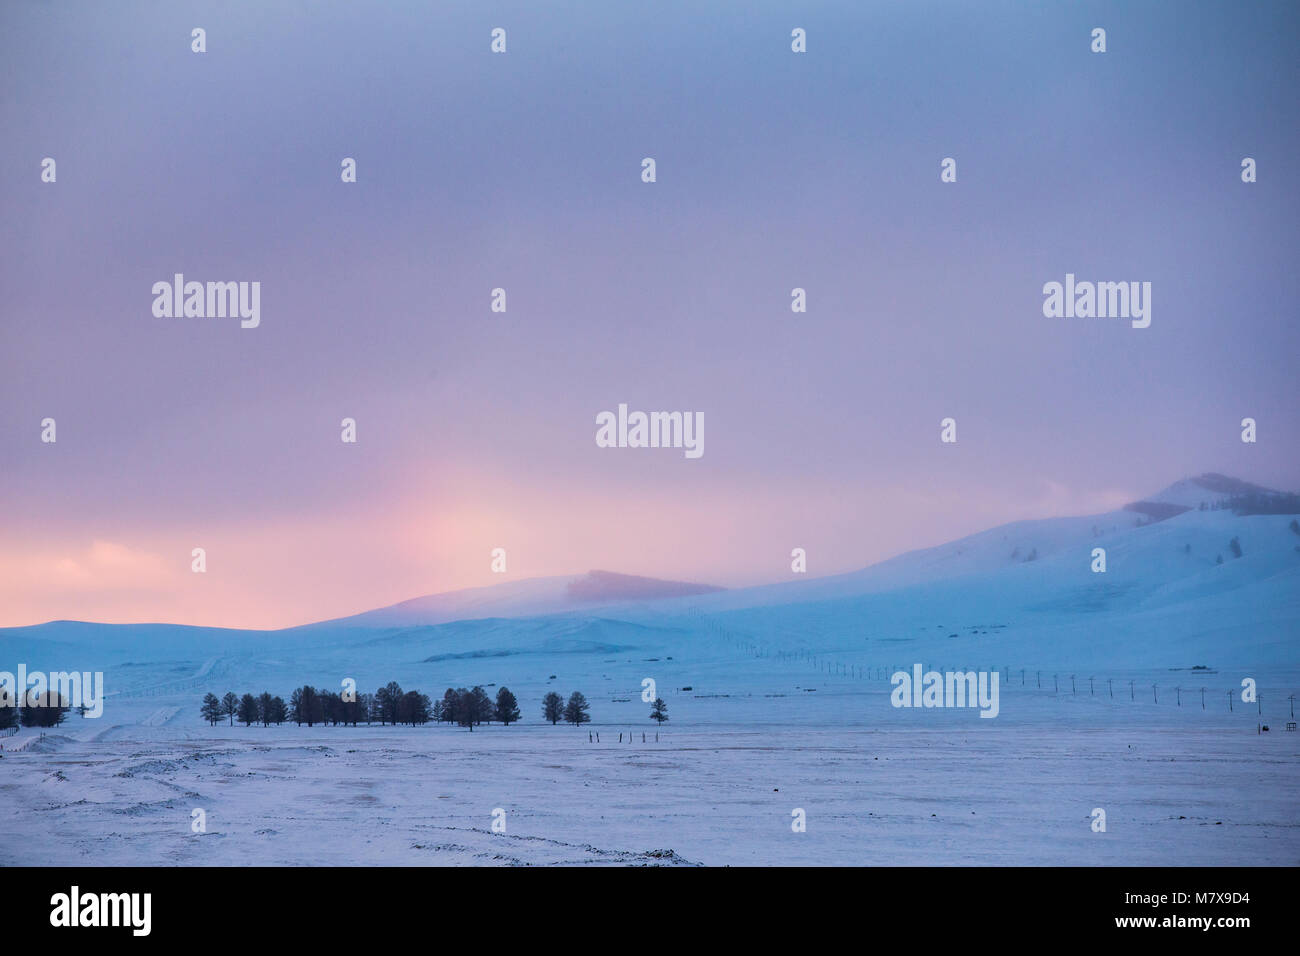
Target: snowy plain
column 1180, row 787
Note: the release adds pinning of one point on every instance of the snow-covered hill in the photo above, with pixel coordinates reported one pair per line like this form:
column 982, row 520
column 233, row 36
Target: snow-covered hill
column 1200, row 587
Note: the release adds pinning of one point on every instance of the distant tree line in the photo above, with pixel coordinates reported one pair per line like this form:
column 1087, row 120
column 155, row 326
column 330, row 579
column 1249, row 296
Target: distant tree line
column 465, row 708
column 1258, row 503
column 309, row 705
column 263, row 709
column 577, row 711
column 388, row 705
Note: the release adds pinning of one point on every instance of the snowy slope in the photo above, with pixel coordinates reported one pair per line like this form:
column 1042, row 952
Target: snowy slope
column 1023, row 592
column 518, row 598
column 1210, row 490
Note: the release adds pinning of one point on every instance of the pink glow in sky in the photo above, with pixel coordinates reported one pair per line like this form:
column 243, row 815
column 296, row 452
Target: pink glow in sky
column 476, row 429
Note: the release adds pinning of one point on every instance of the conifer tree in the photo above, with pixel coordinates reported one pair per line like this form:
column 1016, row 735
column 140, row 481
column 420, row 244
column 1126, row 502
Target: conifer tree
column 43, row 710
column 553, row 707
column 451, row 706
column 575, row 711
column 507, row 707
column 482, row 704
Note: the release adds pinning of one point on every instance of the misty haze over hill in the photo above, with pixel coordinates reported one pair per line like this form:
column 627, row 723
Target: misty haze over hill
column 1180, row 565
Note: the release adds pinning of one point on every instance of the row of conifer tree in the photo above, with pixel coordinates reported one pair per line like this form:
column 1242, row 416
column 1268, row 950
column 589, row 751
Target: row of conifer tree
column 39, row 710
column 389, row 705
